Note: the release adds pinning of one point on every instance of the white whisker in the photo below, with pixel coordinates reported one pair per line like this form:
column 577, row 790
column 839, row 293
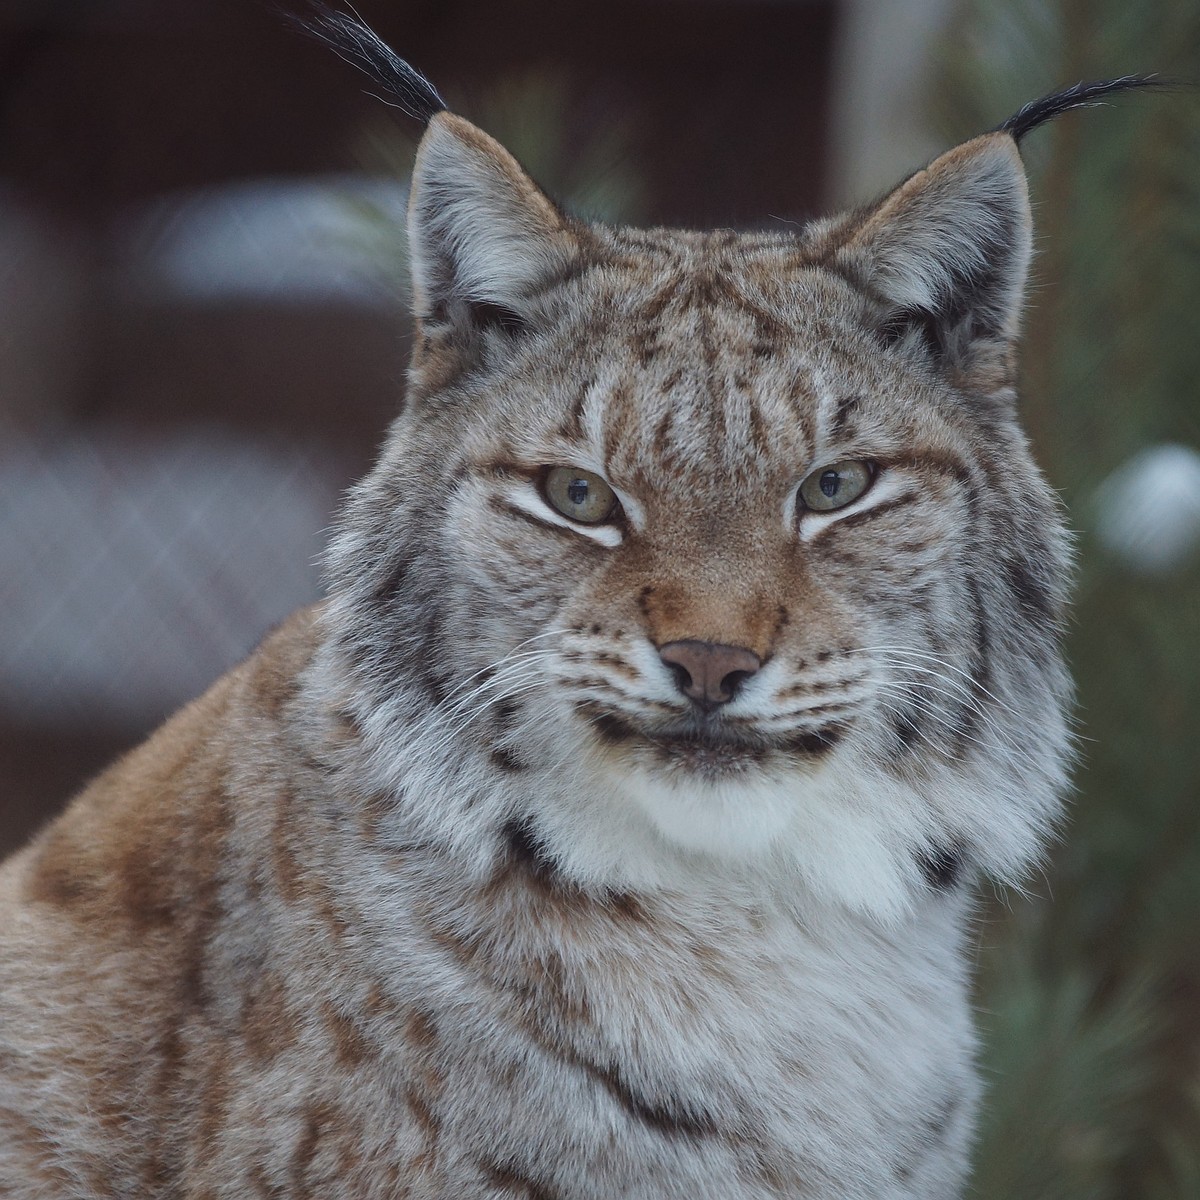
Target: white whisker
column 925, row 654
column 505, row 658
column 512, row 669
column 905, row 698
column 446, row 736
column 505, row 667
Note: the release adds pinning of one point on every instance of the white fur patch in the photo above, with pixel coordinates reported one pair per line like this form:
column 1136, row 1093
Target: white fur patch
column 527, row 498
column 726, row 819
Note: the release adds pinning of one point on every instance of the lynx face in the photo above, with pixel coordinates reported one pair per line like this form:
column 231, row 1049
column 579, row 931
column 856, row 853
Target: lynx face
column 731, row 542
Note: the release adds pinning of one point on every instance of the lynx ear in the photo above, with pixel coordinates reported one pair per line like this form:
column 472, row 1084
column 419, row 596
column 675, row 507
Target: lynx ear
column 948, row 250
column 482, row 234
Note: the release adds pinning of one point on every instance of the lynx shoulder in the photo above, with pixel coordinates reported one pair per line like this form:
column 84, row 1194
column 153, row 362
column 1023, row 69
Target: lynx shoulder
column 610, row 828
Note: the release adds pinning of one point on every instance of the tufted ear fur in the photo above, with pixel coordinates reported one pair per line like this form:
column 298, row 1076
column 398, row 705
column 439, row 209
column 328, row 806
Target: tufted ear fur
column 482, row 235
column 947, row 252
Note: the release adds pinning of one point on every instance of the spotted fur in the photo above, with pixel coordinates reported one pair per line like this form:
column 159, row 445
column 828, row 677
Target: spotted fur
column 450, row 891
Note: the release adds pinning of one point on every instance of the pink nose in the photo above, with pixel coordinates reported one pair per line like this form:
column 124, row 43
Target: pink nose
column 708, row 673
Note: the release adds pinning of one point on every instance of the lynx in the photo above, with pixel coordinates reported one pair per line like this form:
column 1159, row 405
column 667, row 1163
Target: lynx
column 611, row 829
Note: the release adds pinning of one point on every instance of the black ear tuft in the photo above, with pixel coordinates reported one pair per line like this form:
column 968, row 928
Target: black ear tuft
column 356, row 43
column 1081, row 95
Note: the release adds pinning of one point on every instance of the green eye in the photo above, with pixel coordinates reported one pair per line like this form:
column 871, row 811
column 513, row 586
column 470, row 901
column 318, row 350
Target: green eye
column 579, row 495
column 835, row 486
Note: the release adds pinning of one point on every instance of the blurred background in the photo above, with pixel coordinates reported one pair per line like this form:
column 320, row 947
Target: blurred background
column 203, row 334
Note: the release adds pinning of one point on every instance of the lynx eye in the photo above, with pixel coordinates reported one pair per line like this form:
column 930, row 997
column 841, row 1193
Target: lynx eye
column 579, row 495
column 836, row 485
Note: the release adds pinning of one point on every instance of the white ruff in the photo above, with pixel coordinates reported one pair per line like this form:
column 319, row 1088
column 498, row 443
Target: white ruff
column 737, row 817
column 848, row 833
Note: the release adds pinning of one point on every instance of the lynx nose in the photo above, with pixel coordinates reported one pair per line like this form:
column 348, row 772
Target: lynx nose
column 708, row 673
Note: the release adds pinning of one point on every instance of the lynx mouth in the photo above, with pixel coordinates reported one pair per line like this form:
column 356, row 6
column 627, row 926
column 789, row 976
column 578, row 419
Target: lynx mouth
column 707, row 746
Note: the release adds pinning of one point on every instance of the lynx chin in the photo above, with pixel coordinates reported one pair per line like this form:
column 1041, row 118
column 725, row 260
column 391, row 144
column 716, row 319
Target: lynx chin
column 611, row 829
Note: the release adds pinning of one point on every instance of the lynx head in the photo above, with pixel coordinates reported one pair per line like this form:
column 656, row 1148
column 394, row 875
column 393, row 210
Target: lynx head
column 712, row 552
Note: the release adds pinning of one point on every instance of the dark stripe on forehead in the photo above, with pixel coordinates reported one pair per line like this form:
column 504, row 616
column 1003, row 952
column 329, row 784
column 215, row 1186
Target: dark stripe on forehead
column 654, row 308
column 802, row 400
column 769, row 326
column 645, row 344
column 663, row 454
column 618, row 418
column 843, row 413
column 710, row 350
column 706, row 289
column 572, row 428
column 760, row 434
column 706, row 286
